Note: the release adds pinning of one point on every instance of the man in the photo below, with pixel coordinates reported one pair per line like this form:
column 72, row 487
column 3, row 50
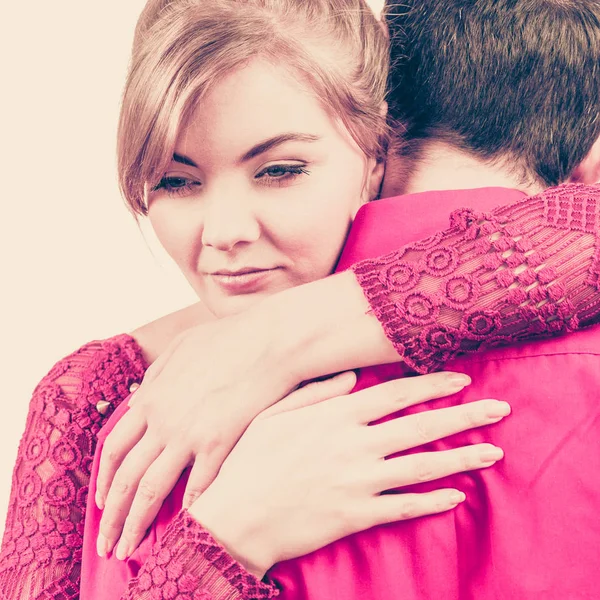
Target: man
column 497, row 93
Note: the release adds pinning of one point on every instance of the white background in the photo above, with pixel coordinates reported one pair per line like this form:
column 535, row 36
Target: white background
column 74, row 265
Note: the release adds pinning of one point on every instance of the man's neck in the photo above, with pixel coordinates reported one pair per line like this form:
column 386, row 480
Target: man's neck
column 441, row 166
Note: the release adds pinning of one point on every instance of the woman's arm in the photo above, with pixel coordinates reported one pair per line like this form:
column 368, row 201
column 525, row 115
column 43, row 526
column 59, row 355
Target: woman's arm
column 324, row 445
column 523, row 271
column 190, row 562
column 41, row 550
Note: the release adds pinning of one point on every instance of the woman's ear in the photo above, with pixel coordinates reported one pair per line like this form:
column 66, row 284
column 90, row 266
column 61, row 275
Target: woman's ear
column 588, row 171
column 377, row 171
column 371, row 183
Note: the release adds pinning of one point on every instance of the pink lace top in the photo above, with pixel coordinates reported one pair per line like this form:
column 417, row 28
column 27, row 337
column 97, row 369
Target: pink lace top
column 522, row 271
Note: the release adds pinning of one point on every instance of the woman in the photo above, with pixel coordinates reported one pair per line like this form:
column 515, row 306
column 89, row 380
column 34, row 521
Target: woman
column 48, row 565
column 119, row 361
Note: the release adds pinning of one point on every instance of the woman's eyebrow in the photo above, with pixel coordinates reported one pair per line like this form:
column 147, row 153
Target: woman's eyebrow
column 263, row 147
column 184, row 160
column 260, row 148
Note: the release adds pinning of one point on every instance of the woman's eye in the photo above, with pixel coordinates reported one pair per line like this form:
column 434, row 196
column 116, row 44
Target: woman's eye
column 278, row 175
column 177, row 185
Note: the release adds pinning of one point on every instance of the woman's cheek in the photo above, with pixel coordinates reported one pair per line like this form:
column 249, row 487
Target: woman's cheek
column 177, row 233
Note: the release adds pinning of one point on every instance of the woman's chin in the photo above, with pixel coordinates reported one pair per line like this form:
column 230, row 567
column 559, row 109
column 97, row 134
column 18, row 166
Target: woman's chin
column 223, row 301
column 222, row 305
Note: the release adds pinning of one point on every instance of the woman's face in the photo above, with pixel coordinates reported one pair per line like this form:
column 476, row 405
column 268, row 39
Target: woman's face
column 261, row 190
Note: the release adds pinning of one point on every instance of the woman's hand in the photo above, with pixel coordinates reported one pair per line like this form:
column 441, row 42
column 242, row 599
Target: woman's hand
column 195, row 402
column 197, row 399
column 304, row 475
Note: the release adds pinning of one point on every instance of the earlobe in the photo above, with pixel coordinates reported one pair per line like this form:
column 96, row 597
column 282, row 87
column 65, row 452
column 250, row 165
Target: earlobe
column 588, row 171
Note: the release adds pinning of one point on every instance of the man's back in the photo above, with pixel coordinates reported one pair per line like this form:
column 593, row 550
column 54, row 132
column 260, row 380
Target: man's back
column 528, row 528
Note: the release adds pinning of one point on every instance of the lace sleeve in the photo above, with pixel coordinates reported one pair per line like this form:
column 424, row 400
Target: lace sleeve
column 523, row 271
column 40, row 556
column 188, row 563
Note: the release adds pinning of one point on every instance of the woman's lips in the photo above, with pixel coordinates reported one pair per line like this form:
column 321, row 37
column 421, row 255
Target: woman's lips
column 243, row 282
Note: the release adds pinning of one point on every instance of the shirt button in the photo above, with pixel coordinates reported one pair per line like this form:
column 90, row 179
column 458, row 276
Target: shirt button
column 102, row 407
column 134, row 386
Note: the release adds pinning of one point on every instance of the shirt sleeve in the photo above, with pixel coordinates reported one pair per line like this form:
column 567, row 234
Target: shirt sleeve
column 40, row 557
column 523, row 271
column 187, row 560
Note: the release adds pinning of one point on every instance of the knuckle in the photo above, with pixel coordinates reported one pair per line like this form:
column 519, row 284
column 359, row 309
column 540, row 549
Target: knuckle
column 120, row 486
column 209, row 445
column 408, row 510
column 110, row 454
column 402, row 400
column 470, row 418
column 192, row 495
column 133, row 529
column 422, row 428
column 147, row 491
column 423, row 471
column 110, row 527
column 467, row 461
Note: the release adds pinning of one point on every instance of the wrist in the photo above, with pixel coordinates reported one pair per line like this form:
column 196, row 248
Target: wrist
column 239, row 534
column 323, row 327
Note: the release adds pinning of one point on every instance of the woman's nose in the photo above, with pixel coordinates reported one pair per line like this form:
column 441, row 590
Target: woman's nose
column 229, row 221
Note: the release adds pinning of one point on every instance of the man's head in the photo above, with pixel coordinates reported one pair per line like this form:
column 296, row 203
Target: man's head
column 515, row 82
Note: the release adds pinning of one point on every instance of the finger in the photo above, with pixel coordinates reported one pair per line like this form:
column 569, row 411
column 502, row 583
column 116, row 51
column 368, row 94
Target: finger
column 427, row 466
column 420, row 428
column 314, row 392
column 122, row 491
column 201, row 476
column 126, row 434
column 386, row 398
column 389, row 508
column 153, row 488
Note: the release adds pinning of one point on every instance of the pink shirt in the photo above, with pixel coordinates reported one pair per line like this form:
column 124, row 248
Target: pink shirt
column 529, row 528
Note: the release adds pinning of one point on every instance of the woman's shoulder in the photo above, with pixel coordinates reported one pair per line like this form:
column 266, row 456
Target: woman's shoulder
column 98, row 373
column 155, row 337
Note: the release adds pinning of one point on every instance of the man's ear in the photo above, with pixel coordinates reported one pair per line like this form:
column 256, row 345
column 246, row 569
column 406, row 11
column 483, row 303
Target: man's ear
column 588, row 171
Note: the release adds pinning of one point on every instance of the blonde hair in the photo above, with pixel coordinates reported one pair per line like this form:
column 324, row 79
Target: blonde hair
column 182, row 47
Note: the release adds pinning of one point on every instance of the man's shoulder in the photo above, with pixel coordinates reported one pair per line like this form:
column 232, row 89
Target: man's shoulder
column 549, row 374
column 563, row 348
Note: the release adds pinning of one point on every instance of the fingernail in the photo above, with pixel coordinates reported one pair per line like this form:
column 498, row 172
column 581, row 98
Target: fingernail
column 499, row 409
column 457, row 497
column 492, row 454
column 458, row 379
column 122, row 550
column 99, row 501
column 101, row 546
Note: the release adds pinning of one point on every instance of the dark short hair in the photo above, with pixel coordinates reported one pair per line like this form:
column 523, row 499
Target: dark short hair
column 515, row 79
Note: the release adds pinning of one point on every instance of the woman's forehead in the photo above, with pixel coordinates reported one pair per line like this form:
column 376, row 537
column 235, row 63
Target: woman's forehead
column 256, row 102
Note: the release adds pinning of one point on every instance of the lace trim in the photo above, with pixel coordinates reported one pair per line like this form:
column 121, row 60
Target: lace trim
column 188, row 559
